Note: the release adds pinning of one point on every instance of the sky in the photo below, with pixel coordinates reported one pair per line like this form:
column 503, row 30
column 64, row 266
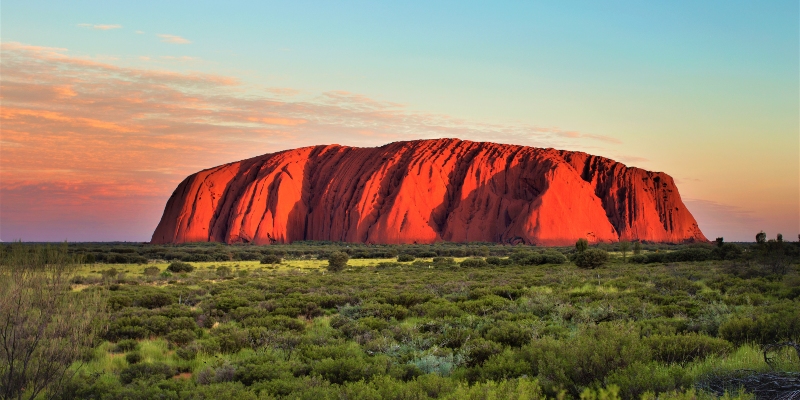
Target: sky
column 106, row 106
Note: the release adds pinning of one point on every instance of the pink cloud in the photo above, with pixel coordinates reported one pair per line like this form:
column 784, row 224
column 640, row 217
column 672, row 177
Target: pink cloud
column 102, row 27
column 173, row 39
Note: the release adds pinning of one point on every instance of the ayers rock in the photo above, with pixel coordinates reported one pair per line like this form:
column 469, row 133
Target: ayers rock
column 426, row 191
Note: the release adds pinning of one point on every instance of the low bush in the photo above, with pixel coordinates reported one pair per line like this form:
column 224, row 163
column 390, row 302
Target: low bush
column 133, row 357
column 181, row 337
column 474, row 263
column 126, row 345
column 639, row 378
column 187, row 352
column 494, row 260
column 223, row 271
column 180, row 266
column 575, row 363
column 443, row 261
column 685, row 348
column 271, row 259
column 145, row 372
column 405, row 258
column 591, row 258
column 553, row 257
column 777, row 323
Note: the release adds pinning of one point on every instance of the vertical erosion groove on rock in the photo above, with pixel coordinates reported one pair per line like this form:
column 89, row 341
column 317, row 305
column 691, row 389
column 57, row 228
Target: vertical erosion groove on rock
column 426, row 191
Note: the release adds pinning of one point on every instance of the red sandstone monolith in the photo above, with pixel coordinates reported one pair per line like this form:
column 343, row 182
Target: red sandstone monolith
column 426, row 191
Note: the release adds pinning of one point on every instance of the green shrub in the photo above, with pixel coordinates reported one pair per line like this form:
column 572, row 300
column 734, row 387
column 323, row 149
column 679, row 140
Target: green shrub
column 639, row 378
column 156, row 324
column 404, row 372
column 686, row 348
column 187, row 352
column 275, row 322
column 133, row 357
column 260, row 368
column 337, row 261
column 126, row 345
column 727, row 251
column 181, row 337
column 509, row 333
column 125, row 328
column 513, row 389
column 110, row 273
column 151, row 271
column 145, row 371
column 444, row 260
column 589, row 356
column 182, row 323
column 591, row 258
column 474, row 263
column 494, row 260
column 229, row 338
column 690, row 254
column 179, row 266
column 526, row 258
column 553, row 257
column 405, row 258
column 155, row 299
column 779, row 322
column 437, row 308
column 479, row 350
column 341, row 370
column 271, row 259
column 223, row 390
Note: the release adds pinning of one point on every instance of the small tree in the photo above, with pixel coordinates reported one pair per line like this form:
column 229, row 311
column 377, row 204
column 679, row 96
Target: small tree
column 637, row 248
column 780, row 238
column 44, row 326
column 624, row 246
column 761, row 237
column 720, row 241
column 337, row 261
column 581, row 245
column 591, row 258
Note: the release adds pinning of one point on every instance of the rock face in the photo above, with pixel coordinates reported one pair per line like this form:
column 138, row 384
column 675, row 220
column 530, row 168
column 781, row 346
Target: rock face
column 423, row 192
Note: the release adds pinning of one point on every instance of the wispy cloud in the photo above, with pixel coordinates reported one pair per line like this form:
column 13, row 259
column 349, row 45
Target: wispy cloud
column 180, row 59
column 173, row 39
column 102, row 27
column 578, row 135
column 283, row 91
column 139, row 32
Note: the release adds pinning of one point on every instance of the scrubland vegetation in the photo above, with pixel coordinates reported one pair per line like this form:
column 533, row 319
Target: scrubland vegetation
column 473, row 321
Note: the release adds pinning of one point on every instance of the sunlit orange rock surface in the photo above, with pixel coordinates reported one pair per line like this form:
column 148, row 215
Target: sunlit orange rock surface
column 426, row 191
